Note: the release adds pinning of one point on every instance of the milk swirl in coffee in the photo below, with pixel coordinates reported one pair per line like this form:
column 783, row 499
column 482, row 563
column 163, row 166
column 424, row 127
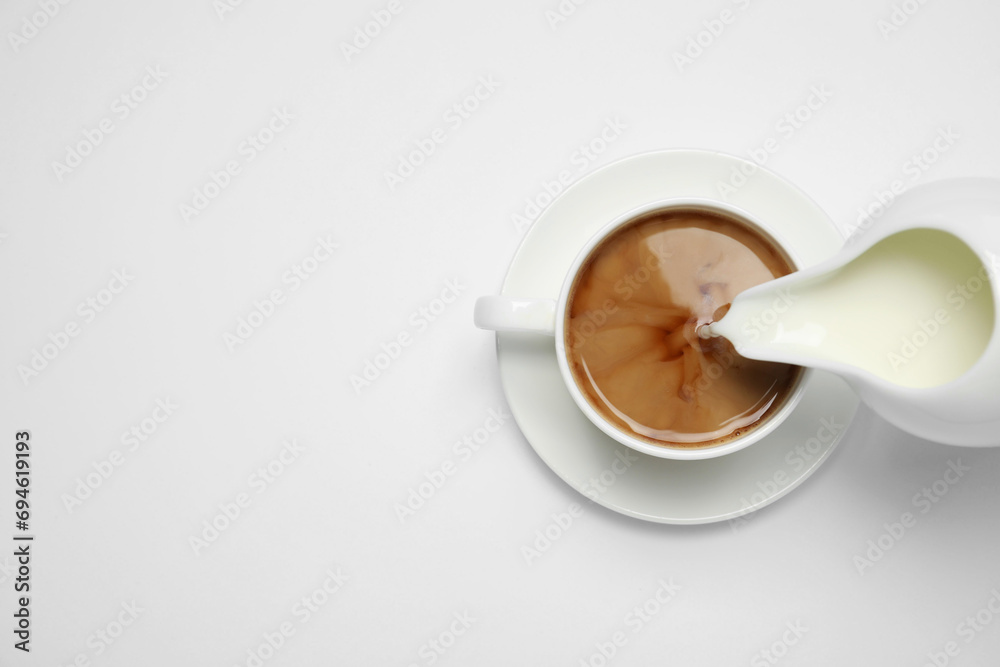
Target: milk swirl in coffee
column 631, row 321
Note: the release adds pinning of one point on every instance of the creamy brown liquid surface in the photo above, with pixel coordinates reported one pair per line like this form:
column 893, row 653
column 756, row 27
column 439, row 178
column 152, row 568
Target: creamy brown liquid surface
column 630, row 330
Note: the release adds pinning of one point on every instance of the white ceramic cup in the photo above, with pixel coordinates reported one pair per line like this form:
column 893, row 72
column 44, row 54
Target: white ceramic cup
column 548, row 316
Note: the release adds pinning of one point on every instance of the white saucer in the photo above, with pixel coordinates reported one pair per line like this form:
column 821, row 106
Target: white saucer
column 651, row 488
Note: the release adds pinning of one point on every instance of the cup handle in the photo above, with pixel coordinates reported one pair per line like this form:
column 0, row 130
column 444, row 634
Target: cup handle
column 503, row 313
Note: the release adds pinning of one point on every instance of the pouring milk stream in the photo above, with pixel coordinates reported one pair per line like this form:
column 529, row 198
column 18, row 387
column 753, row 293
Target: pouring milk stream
column 907, row 314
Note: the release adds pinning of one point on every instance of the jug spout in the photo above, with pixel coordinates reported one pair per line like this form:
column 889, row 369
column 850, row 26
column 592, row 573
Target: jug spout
column 906, row 313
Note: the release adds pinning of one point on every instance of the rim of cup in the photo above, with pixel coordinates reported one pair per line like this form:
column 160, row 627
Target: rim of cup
column 690, row 453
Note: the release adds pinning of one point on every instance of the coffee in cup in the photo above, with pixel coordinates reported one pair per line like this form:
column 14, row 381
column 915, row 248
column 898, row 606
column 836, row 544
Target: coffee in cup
column 631, row 323
column 626, row 321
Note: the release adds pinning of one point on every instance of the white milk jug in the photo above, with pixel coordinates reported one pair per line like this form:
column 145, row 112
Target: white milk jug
column 906, row 312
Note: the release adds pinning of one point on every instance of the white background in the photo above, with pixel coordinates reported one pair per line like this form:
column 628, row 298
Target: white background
column 334, row 505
